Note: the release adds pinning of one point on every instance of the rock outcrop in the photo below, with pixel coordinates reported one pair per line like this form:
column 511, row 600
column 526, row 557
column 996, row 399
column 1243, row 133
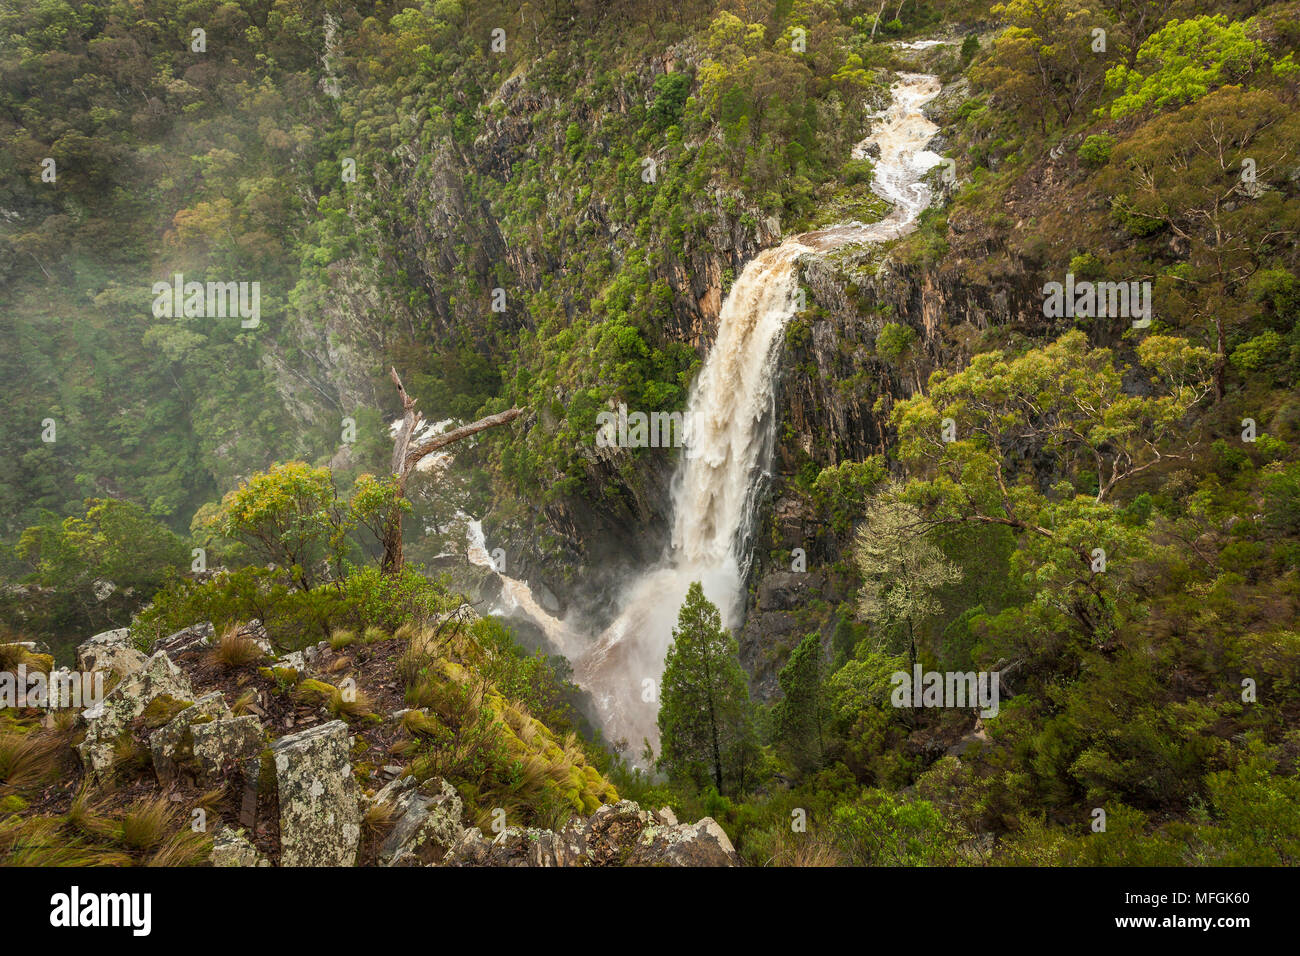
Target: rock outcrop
column 173, row 744
column 110, row 652
column 426, row 825
column 108, row 721
column 320, row 809
column 232, row 848
column 222, row 745
column 621, row 834
column 302, row 804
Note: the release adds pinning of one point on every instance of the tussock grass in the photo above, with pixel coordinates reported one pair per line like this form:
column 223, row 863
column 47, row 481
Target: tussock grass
column 211, row 800
column 809, row 850
column 28, row 759
column 38, row 841
column 86, row 817
column 338, row 664
column 182, row 848
column 340, row 639
column 235, row 649
column 335, row 700
column 146, row 824
column 244, row 702
column 377, row 819
column 130, row 757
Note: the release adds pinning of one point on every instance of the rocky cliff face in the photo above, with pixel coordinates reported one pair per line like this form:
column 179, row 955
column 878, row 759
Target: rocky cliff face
column 835, row 394
column 433, row 227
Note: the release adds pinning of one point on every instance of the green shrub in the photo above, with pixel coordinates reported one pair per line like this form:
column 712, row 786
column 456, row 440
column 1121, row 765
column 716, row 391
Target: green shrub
column 1095, row 150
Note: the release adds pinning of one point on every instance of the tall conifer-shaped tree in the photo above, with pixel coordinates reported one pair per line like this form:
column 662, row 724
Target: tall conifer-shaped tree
column 706, row 727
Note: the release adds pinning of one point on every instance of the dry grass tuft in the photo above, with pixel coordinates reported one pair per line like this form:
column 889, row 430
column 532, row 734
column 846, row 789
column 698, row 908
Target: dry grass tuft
column 244, row 702
column 377, row 818
column 27, row 760
column 236, row 649
column 340, row 639
column 37, row 841
column 182, row 848
column 146, row 824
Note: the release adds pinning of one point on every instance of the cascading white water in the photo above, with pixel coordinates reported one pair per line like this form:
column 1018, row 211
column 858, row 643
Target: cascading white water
column 732, row 414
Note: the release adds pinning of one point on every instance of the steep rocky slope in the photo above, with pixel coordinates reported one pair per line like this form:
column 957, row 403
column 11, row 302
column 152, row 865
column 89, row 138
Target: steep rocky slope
column 265, row 763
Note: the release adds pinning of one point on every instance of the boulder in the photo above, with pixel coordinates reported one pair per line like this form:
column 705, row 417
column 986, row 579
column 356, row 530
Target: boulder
column 196, row 635
column 698, row 844
column 393, row 789
column 223, row 745
column 620, row 834
column 296, row 660
column 257, row 631
column 518, row 846
column 231, row 848
column 110, row 651
column 426, row 828
column 111, row 718
column 320, row 812
column 613, row 830
column 308, row 658
column 172, row 744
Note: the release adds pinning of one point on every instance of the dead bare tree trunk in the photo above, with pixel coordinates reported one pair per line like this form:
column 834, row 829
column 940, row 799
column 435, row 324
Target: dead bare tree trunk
column 406, row 456
column 876, row 22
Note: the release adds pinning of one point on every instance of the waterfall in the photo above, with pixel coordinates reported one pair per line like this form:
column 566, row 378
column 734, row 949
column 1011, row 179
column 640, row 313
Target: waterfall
column 733, row 417
column 732, row 411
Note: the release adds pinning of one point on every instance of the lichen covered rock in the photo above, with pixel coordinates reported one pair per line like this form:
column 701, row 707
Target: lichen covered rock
column 620, row 834
column 320, row 813
column 109, row 652
column 426, row 828
column 172, row 744
column 224, row 744
column 696, row 844
column 232, row 848
column 107, row 722
column 196, row 635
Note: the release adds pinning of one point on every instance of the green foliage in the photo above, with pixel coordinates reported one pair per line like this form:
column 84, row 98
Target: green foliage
column 1166, row 181
column 292, row 516
column 800, row 720
column 882, row 829
column 671, row 91
column 842, row 490
column 1184, row 61
column 1258, row 352
column 706, row 727
column 1043, row 59
column 1095, row 150
column 1256, row 811
column 89, row 573
column 293, row 616
column 901, row 572
column 894, row 341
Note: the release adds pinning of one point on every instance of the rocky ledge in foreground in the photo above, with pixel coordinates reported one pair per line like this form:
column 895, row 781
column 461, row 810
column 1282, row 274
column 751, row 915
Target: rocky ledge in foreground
column 298, row 799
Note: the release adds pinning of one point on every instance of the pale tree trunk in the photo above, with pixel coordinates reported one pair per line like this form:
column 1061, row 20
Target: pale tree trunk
column 406, row 456
column 876, row 22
